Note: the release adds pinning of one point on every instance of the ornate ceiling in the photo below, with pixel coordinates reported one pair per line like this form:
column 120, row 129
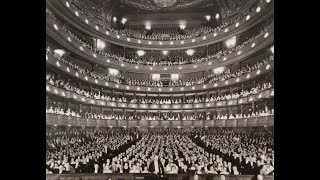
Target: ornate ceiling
column 164, row 5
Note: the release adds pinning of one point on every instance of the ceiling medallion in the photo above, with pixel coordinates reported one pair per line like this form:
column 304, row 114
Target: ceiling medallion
column 165, row 3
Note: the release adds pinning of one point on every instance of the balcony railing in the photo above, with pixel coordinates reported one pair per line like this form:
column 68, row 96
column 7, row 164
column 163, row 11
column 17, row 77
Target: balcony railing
column 64, row 38
column 53, row 119
column 63, row 67
column 214, row 36
column 127, row 105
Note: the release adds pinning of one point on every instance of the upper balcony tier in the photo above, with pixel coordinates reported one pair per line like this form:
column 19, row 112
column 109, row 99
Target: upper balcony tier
column 260, row 42
column 94, row 29
column 265, row 94
column 51, row 60
column 53, row 119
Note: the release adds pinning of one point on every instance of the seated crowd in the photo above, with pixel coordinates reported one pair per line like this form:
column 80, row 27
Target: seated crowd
column 161, row 34
column 119, row 79
column 165, row 60
column 238, row 151
column 163, row 116
column 227, row 74
column 181, row 60
column 162, row 60
column 252, row 153
column 75, row 151
column 99, row 95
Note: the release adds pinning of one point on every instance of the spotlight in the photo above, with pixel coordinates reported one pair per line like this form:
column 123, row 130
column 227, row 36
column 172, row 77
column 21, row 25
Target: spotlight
column 164, row 52
column 140, row 52
column 208, row 17
column 148, row 27
column 272, row 49
column 217, row 16
column 182, row 26
column 258, row 9
column 190, row 52
column 123, row 20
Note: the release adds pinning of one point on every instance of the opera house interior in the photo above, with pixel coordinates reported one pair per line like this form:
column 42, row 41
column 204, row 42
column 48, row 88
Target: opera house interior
column 159, row 89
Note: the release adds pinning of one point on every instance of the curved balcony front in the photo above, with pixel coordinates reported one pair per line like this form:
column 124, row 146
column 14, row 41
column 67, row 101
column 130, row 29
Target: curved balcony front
column 93, row 30
column 62, row 37
column 53, row 119
column 266, row 94
column 68, row 70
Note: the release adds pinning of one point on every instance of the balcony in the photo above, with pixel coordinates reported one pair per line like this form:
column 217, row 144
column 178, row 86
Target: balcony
column 126, row 105
column 63, row 67
column 62, row 37
column 53, row 119
column 92, row 29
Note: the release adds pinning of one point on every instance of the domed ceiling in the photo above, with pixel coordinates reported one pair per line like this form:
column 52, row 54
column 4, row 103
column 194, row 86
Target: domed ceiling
column 171, row 5
column 164, row 5
column 168, row 5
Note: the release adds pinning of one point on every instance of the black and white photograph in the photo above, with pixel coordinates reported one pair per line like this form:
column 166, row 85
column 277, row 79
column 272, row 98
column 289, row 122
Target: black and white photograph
column 159, row 89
